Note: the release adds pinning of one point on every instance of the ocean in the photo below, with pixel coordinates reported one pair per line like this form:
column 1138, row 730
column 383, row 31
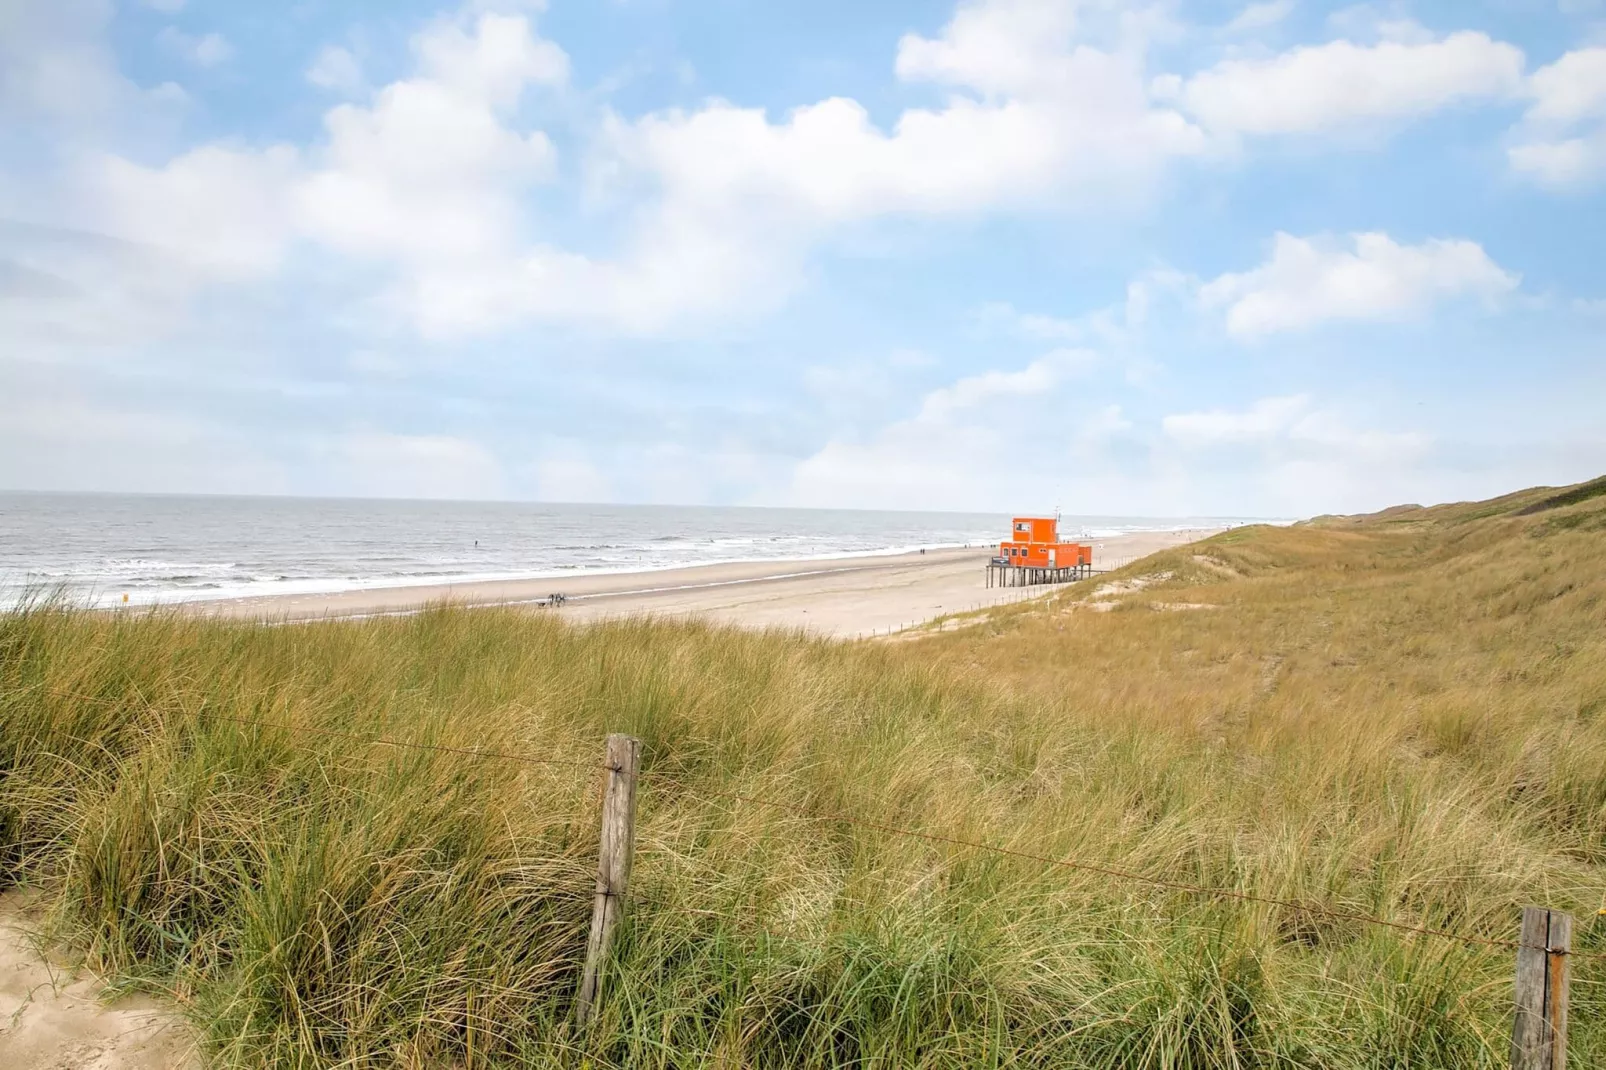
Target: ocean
column 96, row 548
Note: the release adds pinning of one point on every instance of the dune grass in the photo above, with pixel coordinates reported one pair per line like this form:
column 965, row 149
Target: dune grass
column 1398, row 716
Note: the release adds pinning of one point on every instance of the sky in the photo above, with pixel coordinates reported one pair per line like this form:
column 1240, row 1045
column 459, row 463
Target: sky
column 1179, row 257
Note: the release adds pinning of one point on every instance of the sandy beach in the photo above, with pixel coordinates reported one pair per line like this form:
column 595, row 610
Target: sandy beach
column 839, row 597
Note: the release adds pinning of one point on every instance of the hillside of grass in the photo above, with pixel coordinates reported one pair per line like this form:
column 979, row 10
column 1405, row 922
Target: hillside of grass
column 1398, row 716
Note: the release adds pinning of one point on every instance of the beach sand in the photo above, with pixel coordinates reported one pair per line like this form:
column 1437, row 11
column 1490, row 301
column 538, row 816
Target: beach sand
column 839, row 597
column 52, row 1017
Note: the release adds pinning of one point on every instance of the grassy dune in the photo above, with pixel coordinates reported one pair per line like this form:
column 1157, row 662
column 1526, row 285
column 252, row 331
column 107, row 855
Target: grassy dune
column 1401, row 716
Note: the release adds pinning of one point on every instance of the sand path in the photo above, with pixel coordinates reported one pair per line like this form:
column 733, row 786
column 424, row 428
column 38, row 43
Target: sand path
column 52, row 1018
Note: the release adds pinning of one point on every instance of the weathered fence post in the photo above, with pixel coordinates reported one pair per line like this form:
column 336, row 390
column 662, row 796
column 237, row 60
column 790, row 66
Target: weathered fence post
column 1539, row 1033
column 613, row 865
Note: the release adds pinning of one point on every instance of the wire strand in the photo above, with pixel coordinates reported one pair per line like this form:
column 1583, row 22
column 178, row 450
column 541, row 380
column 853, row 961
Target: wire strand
column 1112, row 871
column 930, row 837
column 379, row 741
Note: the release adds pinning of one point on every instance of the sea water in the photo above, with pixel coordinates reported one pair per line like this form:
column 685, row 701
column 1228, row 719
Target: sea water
column 96, row 548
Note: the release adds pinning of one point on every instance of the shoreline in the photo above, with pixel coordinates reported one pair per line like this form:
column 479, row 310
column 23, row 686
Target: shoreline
column 328, row 588
column 95, row 597
column 832, row 596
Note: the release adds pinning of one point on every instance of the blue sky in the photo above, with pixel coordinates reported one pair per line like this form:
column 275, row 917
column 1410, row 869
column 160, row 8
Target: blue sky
column 1167, row 258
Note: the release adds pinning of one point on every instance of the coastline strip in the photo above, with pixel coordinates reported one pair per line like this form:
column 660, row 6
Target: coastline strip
column 830, row 597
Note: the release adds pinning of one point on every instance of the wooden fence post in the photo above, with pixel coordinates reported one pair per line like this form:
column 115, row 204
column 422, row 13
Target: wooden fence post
column 1539, row 1033
column 613, row 865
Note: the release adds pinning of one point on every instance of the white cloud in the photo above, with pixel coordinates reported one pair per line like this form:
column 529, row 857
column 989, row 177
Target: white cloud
column 1341, row 83
column 424, row 175
column 853, row 379
column 1299, row 456
column 494, row 63
column 737, row 200
column 426, row 184
column 1038, row 377
column 1046, row 108
column 1284, row 455
column 1002, row 48
column 55, row 61
column 64, row 294
column 1055, row 115
column 1106, row 325
column 1561, row 141
column 1260, row 15
column 427, row 177
column 910, row 358
column 1563, row 163
column 1325, row 428
column 1263, row 421
column 70, row 445
column 1037, row 116
column 65, row 427
column 71, row 419
column 568, row 472
column 335, row 69
column 208, row 50
column 215, row 208
column 1032, row 326
column 1105, row 424
column 415, row 466
column 1308, row 281
column 1378, row 22
column 974, row 443
column 1571, row 89
column 1295, row 426
column 1116, row 331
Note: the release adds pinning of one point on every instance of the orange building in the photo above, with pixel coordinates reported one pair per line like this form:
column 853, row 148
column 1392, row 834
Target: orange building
column 1035, row 543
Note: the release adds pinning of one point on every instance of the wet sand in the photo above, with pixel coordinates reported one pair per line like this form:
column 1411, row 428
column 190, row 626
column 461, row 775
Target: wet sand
column 841, row 597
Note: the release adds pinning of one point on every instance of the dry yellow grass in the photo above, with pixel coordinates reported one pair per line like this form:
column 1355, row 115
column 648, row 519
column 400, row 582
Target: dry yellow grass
column 1398, row 716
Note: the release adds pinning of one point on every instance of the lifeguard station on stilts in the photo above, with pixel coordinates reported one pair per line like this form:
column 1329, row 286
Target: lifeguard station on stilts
column 1034, row 554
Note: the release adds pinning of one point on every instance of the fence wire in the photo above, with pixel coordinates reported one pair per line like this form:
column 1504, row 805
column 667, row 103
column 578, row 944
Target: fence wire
column 895, row 830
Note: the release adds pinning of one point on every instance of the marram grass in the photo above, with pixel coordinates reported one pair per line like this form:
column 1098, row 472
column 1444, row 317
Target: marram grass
column 1403, row 717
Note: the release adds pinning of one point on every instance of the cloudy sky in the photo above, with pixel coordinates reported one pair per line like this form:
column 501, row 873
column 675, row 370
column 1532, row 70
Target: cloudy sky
column 1166, row 257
